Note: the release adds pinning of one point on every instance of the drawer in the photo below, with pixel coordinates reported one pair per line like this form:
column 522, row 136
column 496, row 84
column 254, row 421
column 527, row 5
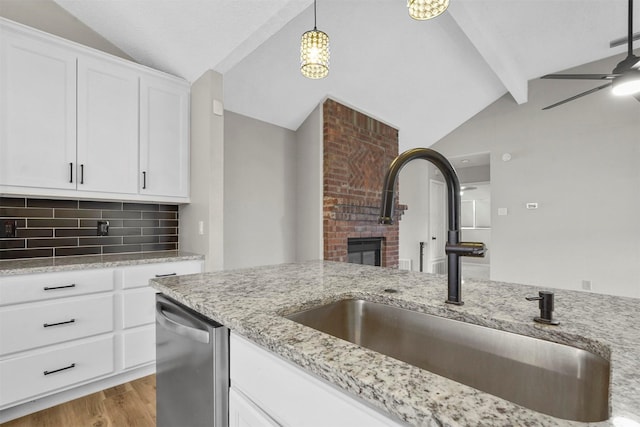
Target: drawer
column 139, row 346
column 134, row 277
column 305, row 400
column 26, row 377
column 24, row 327
column 138, row 307
column 37, row 287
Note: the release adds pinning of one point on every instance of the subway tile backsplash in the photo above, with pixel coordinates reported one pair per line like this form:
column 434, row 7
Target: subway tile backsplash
column 56, row 228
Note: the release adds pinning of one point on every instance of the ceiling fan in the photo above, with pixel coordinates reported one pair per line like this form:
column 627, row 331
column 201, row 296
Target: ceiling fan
column 625, row 78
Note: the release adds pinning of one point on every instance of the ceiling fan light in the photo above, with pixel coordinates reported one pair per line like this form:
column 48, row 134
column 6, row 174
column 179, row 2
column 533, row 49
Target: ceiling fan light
column 627, row 84
column 426, row 9
column 314, row 54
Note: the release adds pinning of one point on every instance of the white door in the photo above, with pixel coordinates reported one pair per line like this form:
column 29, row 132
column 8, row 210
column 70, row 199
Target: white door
column 37, row 113
column 164, row 137
column 437, row 261
column 107, row 127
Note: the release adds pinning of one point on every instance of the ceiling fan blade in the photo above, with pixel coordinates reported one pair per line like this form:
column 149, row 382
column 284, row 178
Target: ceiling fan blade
column 623, row 40
column 580, row 76
column 580, row 95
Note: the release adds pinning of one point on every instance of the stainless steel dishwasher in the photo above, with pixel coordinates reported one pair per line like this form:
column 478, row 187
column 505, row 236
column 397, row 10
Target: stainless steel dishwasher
column 192, row 367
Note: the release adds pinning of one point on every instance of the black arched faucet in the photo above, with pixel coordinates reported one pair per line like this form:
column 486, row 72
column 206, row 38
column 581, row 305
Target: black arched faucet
column 454, row 247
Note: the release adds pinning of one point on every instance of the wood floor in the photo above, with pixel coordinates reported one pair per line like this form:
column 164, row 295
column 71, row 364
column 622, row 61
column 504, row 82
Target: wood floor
column 127, row 405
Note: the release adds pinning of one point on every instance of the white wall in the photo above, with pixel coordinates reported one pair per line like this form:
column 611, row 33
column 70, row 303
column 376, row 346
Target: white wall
column 580, row 163
column 259, row 193
column 207, row 175
column 309, row 154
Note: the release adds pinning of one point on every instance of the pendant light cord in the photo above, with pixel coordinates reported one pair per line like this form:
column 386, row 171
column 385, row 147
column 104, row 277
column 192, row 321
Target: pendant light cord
column 630, row 30
column 315, row 26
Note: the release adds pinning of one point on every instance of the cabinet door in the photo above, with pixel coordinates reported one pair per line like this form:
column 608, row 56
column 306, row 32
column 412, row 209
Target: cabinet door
column 244, row 413
column 37, row 113
column 164, row 137
column 107, row 127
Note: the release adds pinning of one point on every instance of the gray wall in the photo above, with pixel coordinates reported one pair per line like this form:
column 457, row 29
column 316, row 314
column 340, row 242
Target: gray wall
column 46, row 15
column 309, row 189
column 259, row 193
column 207, row 175
column 580, row 163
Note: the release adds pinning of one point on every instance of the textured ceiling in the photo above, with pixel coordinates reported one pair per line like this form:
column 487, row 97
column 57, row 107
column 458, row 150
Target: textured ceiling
column 425, row 78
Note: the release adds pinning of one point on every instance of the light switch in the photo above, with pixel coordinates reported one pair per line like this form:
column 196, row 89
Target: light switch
column 218, row 109
column 502, row 211
column 201, row 228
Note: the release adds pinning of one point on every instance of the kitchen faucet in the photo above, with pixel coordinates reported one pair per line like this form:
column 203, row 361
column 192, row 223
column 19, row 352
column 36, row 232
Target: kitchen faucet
column 454, row 247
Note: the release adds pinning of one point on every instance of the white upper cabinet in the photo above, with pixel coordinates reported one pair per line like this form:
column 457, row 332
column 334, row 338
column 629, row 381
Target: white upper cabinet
column 164, row 137
column 75, row 122
column 37, row 113
column 107, row 127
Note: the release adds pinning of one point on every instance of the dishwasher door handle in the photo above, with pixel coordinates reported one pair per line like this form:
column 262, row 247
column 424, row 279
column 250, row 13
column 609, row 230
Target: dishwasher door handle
column 180, row 329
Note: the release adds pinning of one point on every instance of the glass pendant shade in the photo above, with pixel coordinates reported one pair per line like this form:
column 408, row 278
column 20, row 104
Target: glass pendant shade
column 628, row 84
column 426, row 9
column 314, row 54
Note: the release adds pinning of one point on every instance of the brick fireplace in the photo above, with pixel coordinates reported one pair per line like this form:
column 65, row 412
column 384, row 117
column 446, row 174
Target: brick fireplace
column 357, row 152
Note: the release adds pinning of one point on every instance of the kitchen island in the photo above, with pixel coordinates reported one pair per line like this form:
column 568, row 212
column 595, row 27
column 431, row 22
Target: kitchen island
column 252, row 303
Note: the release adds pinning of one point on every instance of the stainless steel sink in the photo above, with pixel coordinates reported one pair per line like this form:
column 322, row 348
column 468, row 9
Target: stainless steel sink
column 551, row 378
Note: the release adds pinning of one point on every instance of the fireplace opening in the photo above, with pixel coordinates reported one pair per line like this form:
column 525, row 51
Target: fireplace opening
column 364, row 251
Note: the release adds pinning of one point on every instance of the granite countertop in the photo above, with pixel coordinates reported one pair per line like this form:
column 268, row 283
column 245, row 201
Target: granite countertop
column 50, row 265
column 251, row 302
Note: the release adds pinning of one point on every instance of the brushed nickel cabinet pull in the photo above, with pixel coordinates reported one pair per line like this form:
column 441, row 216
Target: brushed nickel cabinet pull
column 73, row 365
column 165, row 275
column 47, row 325
column 81, row 174
column 52, row 288
column 144, row 180
column 70, row 172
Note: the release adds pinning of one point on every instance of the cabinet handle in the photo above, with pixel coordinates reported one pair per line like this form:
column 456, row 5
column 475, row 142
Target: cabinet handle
column 51, row 288
column 166, row 275
column 70, row 172
column 81, row 174
column 47, row 325
column 144, row 180
column 73, row 365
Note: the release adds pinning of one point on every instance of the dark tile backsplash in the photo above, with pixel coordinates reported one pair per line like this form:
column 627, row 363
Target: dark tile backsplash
column 57, row 228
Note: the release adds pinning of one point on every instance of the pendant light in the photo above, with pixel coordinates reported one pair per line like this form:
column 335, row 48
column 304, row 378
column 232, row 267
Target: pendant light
column 426, row 9
column 314, row 52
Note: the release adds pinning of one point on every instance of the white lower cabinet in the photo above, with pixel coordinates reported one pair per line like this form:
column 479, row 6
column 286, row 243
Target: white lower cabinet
column 244, row 413
column 36, row 325
column 271, row 391
column 38, row 373
column 139, row 346
column 138, row 307
column 67, row 334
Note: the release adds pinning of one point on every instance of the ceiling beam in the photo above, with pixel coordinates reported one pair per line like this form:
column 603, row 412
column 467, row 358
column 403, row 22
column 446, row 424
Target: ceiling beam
column 495, row 52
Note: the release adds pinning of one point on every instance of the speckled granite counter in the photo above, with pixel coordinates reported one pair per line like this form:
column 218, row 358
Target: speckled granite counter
column 251, row 302
column 50, row 265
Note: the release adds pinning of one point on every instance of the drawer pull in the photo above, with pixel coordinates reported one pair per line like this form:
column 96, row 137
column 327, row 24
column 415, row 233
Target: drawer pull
column 46, row 325
column 165, row 275
column 51, row 288
column 73, row 365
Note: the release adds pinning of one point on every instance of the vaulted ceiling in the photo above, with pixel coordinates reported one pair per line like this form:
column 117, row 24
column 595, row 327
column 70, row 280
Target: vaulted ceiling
column 425, row 78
